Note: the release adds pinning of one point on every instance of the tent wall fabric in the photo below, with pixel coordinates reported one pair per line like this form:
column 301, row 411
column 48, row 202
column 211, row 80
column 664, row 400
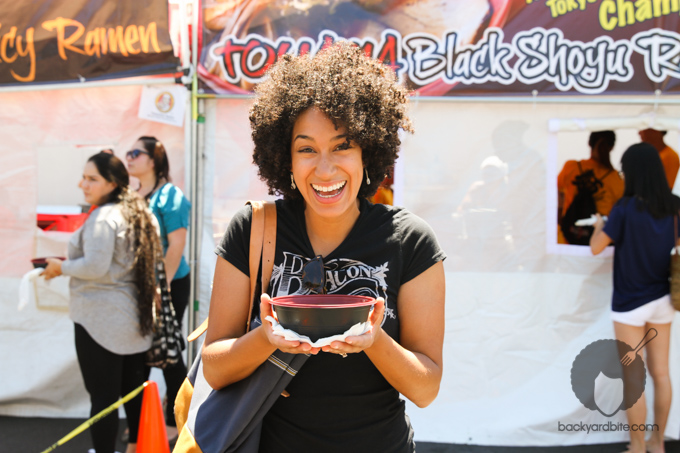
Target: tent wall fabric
column 40, row 373
column 517, row 316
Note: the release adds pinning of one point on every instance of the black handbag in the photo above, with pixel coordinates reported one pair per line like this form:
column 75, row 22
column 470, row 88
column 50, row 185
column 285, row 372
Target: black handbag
column 168, row 342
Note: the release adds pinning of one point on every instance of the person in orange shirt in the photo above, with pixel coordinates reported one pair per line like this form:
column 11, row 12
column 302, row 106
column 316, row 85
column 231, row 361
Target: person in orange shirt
column 601, row 144
column 669, row 158
column 384, row 194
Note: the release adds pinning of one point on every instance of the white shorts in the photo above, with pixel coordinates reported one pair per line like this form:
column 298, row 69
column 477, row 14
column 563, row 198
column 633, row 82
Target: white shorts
column 659, row 311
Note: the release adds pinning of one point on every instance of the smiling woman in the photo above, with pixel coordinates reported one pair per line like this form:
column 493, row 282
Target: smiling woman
column 326, row 132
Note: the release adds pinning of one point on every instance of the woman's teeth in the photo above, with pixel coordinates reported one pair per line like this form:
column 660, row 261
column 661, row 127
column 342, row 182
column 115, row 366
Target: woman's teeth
column 329, row 191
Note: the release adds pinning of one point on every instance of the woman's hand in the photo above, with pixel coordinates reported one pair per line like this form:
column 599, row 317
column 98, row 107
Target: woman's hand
column 599, row 240
column 599, row 222
column 292, row 347
column 53, row 268
column 358, row 343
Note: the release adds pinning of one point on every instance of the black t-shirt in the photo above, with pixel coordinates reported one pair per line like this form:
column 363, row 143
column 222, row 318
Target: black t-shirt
column 336, row 404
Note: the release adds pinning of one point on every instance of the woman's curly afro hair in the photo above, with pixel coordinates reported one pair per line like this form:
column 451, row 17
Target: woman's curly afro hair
column 355, row 91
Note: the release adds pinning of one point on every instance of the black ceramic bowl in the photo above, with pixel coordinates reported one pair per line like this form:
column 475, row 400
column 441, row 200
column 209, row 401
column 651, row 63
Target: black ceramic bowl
column 42, row 262
column 321, row 315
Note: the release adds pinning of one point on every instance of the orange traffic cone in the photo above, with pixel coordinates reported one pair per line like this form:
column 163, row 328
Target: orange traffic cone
column 152, row 437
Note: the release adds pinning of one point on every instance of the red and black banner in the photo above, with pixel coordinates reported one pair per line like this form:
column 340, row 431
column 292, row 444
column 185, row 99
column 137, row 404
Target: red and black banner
column 50, row 41
column 458, row 47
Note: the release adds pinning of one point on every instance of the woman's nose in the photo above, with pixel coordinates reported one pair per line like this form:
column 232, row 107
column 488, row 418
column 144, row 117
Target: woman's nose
column 326, row 164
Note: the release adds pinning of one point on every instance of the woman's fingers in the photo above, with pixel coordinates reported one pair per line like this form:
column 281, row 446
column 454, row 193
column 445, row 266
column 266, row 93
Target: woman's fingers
column 265, row 307
column 357, row 343
column 293, row 347
column 378, row 313
column 53, row 269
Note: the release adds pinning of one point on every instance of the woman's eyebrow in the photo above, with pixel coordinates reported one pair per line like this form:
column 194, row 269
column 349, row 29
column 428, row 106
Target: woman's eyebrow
column 303, row 137
column 306, row 137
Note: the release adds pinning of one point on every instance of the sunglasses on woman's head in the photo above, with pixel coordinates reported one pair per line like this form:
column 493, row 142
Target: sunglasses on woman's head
column 134, row 154
column 314, row 276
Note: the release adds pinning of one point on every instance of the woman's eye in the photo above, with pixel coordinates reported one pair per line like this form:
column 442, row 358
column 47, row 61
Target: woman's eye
column 343, row 146
column 305, row 150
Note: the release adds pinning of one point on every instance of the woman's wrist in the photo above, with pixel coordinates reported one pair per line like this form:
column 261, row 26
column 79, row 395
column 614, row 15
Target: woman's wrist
column 377, row 340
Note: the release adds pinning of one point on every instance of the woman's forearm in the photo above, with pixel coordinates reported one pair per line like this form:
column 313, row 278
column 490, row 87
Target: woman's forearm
column 173, row 255
column 230, row 360
column 599, row 240
column 413, row 366
column 412, row 374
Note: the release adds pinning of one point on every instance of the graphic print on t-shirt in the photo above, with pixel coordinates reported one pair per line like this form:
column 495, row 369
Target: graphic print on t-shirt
column 343, row 276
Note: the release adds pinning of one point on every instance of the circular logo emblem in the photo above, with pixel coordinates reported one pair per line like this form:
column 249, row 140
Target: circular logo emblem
column 165, row 101
column 607, row 376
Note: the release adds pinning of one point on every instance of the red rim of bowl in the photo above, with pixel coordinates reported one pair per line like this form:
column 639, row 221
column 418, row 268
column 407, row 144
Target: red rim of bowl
column 292, row 301
column 44, row 260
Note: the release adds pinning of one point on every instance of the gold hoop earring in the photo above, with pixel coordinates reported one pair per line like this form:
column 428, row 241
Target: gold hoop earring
column 292, row 182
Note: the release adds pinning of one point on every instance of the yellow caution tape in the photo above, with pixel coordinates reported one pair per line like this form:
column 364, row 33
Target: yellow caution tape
column 96, row 418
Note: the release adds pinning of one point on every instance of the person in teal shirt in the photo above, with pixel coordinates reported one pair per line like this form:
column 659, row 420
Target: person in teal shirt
column 148, row 162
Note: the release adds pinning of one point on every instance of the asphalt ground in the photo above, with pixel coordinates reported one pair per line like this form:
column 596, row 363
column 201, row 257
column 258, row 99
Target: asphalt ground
column 35, row 435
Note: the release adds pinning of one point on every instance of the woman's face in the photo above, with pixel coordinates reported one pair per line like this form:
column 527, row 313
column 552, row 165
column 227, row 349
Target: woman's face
column 95, row 187
column 140, row 165
column 327, row 169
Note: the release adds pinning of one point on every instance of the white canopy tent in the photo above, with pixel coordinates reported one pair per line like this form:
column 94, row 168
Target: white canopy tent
column 519, row 307
column 517, row 312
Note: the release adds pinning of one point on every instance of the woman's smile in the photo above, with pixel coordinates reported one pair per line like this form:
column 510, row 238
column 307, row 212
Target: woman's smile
column 329, row 191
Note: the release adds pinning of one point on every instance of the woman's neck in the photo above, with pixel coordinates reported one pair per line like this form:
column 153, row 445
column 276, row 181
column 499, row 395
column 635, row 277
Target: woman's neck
column 147, row 183
column 326, row 234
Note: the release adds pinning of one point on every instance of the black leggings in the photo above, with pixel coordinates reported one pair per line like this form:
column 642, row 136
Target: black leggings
column 174, row 375
column 108, row 377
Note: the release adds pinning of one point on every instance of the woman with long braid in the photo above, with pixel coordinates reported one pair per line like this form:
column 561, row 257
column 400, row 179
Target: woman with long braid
column 111, row 262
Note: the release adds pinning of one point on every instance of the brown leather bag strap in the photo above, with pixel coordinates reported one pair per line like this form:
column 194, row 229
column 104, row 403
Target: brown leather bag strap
column 269, row 245
column 199, row 331
column 255, row 252
column 262, row 245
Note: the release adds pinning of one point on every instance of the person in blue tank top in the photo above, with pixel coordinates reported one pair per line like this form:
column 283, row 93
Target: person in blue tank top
column 641, row 228
column 148, row 162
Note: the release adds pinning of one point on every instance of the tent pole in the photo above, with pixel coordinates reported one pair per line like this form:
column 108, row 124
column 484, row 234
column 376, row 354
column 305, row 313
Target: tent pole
column 196, row 215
